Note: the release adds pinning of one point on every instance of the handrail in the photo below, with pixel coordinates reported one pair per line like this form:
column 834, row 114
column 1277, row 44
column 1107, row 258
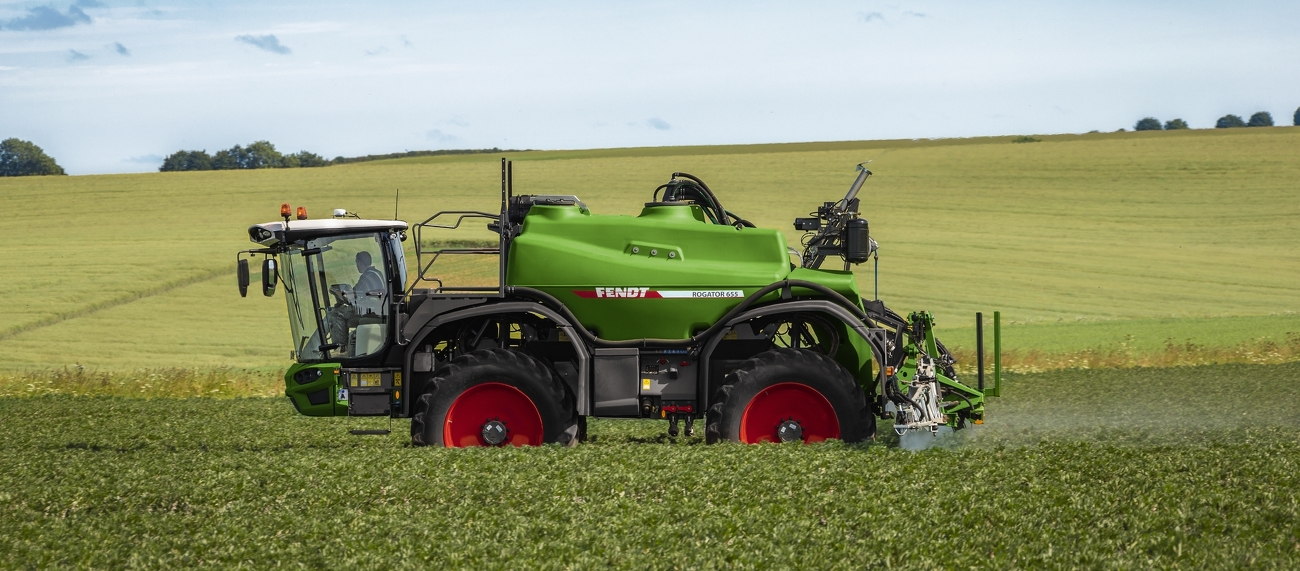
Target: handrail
column 421, row 253
column 503, row 229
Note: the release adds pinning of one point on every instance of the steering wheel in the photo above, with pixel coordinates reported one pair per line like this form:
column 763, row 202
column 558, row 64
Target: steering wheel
column 341, row 293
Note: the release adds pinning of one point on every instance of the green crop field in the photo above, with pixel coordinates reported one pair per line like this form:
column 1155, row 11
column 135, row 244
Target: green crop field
column 1110, row 247
column 1173, row 468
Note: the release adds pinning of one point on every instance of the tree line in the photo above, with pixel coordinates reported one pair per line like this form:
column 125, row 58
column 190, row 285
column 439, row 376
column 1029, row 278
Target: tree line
column 24, row 158
column 1259, row 119
column 407, row 154
column 257, row 155
column 262, row 155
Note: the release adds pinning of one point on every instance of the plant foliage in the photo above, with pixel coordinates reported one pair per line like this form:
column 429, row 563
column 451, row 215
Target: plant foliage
column 1174, row 124
column 1183, row 468
column 1261, row 119
column 1228, row 122
column 187, row 161
column 23, row 158
column 257, row 155
column 1147, row 124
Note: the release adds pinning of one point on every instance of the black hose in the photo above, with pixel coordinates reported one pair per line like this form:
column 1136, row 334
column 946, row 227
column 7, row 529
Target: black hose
column 948, row 366
column 963, row 397
column 740, row 221
column 717, row 326
column 717, row 205
column 700, row 192
column 891, row 388
column 655, row 196
column 692, row 191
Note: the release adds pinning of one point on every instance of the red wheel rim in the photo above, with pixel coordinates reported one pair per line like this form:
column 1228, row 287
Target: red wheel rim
column 488, row 402
column 785, row 402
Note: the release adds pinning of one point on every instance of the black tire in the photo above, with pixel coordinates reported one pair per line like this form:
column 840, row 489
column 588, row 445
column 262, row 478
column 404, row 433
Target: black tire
column 523, row 372
column 778, row 366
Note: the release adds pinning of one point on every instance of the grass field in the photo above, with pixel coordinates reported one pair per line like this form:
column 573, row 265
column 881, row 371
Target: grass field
column 1175, row 468
column 1103, row 242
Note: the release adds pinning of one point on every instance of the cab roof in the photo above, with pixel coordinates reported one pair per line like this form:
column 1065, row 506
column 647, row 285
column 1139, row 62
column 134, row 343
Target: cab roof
column 272, row 233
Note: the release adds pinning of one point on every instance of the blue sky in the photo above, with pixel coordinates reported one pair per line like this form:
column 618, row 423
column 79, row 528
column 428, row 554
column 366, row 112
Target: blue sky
column 112, row 86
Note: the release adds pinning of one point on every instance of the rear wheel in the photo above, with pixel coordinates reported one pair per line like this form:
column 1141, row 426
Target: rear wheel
column 787, row 395
column 494, row 397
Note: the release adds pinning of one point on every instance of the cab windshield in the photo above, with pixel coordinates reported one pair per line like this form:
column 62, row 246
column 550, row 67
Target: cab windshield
column 338, row 296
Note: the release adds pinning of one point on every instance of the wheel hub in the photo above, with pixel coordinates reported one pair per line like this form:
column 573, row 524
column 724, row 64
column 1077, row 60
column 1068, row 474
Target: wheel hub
column 788, row 412
column 492, row 414
column 494, row 432
column 789, row 431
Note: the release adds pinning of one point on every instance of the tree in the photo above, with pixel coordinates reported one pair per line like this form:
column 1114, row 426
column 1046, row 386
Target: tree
column 1296, row 121
column 1175, row 124
column 1229, row 121
column 22, row 158
column 1147, row 124
column 1261, row 119
column 187, row 161
column 261, row 155
column 229, row 159
column 306, row 159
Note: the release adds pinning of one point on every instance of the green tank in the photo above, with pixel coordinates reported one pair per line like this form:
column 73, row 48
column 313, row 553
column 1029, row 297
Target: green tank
column 666, row 273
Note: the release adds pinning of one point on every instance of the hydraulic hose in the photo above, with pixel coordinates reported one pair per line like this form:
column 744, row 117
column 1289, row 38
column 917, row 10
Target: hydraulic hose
column 898, row 397
column 722, row 213
column 963, row 397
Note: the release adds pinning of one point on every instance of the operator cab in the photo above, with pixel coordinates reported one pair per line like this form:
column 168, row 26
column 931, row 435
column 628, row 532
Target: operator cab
column 341, row 278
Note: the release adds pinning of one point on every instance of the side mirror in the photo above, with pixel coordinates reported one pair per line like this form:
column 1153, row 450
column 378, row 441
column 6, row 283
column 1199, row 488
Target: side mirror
column 243, row 277
column 269, row 276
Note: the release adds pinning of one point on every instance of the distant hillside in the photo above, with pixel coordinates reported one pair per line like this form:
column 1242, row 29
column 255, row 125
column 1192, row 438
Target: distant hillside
column 409, row 154
column 458, row 156
column 1127, row 243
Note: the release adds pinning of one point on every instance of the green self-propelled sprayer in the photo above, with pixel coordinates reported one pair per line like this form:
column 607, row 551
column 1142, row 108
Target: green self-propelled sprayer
column 683, row 312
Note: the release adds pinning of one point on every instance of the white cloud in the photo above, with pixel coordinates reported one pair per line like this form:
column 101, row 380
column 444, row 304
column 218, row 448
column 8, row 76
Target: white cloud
column 438, row 136
column 268, row 42
column 46, row 18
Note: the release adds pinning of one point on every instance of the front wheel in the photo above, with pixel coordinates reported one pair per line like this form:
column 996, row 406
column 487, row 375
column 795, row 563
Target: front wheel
column 787, row 395
column 494, row 397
